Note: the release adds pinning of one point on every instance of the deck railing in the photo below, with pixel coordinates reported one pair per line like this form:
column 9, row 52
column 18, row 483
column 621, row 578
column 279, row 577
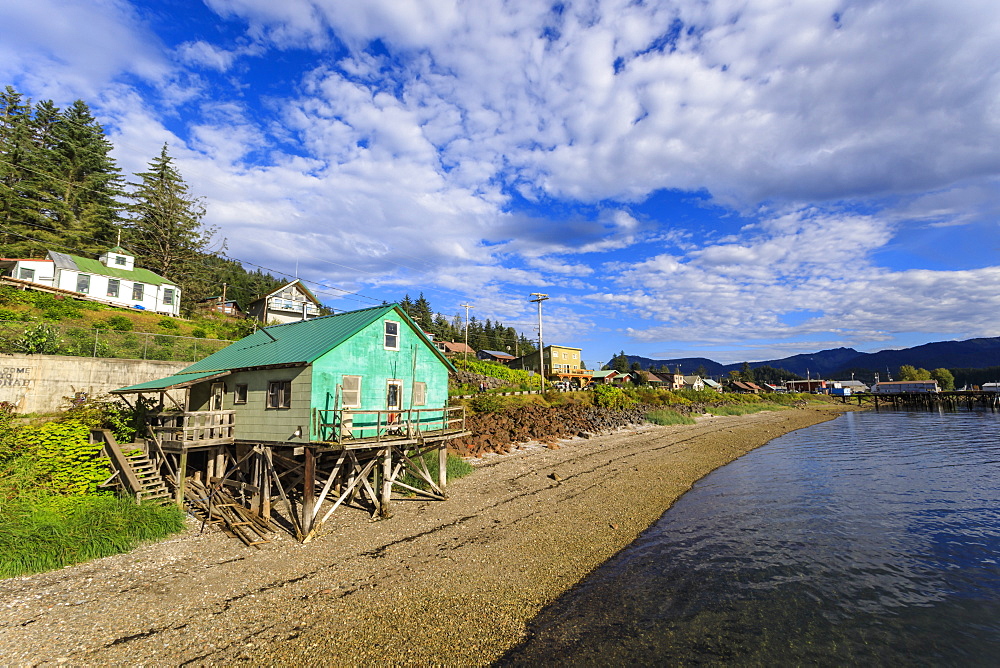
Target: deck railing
column 340, row 425
column 187, row 429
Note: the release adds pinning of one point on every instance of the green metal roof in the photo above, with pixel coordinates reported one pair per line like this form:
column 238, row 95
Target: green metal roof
column 182, row 379
column 89, row 266
column 299, row 342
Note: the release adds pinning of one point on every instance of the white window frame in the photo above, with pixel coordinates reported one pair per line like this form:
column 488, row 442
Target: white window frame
column 83, row 283
column 114, row 287
column 26, row 274
column 354, row 400
column 394, row 345
column 138, row 292
column 168, row 296
column 394, row 382
column 419, row 393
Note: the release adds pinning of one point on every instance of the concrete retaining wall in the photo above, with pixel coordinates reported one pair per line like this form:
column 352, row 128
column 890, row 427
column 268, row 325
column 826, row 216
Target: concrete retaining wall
column 41, row 383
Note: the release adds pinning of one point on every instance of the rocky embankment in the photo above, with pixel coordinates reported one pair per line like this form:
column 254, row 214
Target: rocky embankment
column 503, row 431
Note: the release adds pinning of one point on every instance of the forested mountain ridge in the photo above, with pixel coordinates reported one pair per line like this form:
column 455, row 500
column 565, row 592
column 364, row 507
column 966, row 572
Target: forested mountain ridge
column 840, row 363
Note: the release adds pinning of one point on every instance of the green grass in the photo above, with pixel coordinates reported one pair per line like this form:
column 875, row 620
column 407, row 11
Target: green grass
column 667, row 417
column 42, row 533
column 456, row 468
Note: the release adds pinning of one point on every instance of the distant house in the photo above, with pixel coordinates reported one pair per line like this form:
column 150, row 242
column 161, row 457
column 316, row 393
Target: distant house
column 453, row 348
column 656, row 380
column 228, row 307
column 906, row 386
column 854, row 386
column 291, row 302
column 291, row 382
column 808, row 386
column 605, row 377
column 495, row 356
column 694, row 383
column 712, row 385
column 112, row 279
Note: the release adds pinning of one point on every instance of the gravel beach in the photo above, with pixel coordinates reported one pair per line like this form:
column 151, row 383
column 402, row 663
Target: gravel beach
column 451, row 582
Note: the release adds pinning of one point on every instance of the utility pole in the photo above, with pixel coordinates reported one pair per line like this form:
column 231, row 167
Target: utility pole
column 538, row 299
column 467, row 307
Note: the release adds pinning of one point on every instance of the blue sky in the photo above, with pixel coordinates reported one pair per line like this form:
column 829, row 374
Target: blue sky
column 740, row 180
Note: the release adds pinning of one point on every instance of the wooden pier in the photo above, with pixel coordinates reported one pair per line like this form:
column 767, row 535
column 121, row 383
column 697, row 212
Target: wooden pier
column 949, row 401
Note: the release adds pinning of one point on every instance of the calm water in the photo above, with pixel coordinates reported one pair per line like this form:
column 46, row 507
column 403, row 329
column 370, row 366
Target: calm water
column 873, row 539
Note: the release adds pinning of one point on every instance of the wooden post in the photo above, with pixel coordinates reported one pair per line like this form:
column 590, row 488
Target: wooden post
column 265, row 487
column 181, row 474
column 386, row 483
column 308, row 489
column 443, row 467
column 220, row 461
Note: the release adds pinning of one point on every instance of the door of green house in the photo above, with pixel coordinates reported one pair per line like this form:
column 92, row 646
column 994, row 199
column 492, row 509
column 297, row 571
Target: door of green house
column 394, row 399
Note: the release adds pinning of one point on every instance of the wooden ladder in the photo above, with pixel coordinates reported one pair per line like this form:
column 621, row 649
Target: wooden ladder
column 134, row 472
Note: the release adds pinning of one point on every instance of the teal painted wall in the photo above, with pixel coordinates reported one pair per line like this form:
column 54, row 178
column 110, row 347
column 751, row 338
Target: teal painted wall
column 365, row 355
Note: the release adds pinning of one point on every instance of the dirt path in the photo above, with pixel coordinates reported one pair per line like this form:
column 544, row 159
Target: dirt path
column 452, row 582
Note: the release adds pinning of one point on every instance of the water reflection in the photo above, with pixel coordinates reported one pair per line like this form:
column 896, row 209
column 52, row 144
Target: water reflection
column 870, row 539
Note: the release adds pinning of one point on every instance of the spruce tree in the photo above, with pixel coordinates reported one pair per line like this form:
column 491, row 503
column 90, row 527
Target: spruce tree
column 165, row 229
column 85, row 183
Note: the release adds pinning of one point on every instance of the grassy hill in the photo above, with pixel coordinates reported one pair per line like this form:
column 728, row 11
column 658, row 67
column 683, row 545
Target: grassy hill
column 38, row 322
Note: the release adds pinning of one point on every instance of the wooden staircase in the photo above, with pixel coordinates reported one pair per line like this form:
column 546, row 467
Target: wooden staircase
column 134, row 473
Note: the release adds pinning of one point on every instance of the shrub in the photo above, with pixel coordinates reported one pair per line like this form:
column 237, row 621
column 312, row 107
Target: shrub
column 199, row 333
column 168, row 323
column 119, row 323
column 7, row 315
column 609, row 396
column 9, row 296
column 486, row 403
column 495, row 370
column 66, row 463
column 38, row 340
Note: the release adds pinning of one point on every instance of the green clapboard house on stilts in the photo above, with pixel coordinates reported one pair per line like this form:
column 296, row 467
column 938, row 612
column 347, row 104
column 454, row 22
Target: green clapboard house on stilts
column 354, row 381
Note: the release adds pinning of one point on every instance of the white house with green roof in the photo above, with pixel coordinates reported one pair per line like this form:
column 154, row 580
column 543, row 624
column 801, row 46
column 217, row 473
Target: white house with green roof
column 113, row 278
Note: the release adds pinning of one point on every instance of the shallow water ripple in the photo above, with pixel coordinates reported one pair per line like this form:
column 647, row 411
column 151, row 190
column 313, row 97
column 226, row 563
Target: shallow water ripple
column 874, row 539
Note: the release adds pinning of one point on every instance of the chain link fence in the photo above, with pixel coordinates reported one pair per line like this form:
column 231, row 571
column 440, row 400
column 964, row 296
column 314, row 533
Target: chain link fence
column 58, row 338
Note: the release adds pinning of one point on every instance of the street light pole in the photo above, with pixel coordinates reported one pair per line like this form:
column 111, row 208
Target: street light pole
column 467, row 307
column 538, row 299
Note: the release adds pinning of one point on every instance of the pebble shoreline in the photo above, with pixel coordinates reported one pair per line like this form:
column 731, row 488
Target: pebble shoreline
column 452, row 582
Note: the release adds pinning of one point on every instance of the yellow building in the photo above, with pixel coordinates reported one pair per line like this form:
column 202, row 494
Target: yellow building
column 562, row 363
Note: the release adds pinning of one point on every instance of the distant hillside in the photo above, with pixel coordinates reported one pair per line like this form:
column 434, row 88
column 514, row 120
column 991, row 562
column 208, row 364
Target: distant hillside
column 841, row 362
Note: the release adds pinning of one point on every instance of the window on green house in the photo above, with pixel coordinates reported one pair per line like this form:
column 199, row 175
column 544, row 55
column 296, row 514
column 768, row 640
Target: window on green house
column 419, row 394
column 279, row 394
column 391, row 335
column 351, row 388
column 240, row 394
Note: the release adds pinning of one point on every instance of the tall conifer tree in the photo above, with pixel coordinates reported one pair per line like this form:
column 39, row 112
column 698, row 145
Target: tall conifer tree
column 165, row 228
